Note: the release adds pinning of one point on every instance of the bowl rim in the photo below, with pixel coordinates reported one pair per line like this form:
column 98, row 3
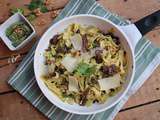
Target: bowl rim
column 130, row 80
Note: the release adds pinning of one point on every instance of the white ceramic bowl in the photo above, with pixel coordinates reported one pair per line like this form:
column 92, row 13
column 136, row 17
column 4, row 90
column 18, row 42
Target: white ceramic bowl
column 13, row 19
column 127, row 40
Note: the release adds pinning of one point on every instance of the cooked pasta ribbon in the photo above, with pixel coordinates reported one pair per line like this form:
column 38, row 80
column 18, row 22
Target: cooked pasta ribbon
column 85, row 65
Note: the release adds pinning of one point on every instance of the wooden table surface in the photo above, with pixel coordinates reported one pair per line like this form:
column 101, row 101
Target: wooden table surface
column 144, row 105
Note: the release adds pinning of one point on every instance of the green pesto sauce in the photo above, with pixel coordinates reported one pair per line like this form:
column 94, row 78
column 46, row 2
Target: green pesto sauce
column 18, row 32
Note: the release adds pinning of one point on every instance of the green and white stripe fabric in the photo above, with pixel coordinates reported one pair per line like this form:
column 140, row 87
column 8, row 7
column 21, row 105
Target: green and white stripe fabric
column 23, row 80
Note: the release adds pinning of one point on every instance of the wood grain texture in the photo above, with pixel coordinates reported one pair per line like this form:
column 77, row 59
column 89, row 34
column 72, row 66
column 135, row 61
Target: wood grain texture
column 5, row 72
column 147, row 112
column 16, row 107
column 150, row 91
column 135, row 10
column 129, row 9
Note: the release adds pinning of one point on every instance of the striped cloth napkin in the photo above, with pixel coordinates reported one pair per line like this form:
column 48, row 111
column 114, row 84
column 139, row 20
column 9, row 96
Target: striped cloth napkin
column 23, row 79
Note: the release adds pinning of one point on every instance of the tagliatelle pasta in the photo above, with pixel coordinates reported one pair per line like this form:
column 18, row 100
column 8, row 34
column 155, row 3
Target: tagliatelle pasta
column 85, row 65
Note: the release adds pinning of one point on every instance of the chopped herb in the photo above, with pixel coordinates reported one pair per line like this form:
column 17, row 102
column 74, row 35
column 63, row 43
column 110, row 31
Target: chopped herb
column 95, row 44
column 85, row 69
column 34, row 4
column 17, row 10
column 43, row 9
column 31, row 17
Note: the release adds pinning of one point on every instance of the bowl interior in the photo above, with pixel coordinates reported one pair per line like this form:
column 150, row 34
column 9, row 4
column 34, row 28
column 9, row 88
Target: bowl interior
column 40, row 69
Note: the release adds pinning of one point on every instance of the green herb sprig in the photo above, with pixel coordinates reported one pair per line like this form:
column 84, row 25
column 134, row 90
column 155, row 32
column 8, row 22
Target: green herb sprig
column 34, row 4
column 17, row 10
column 85, row 69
